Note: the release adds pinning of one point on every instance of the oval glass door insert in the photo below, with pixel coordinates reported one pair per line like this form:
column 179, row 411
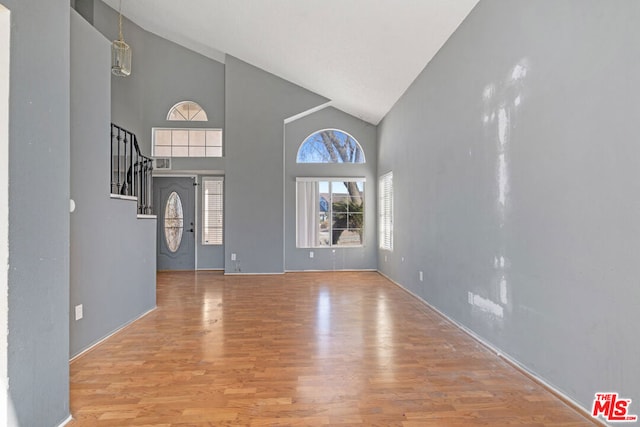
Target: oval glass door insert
column 173, row 222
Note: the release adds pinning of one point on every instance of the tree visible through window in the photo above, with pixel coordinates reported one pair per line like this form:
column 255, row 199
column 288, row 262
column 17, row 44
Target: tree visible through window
column 330, row 212
column 330, row 146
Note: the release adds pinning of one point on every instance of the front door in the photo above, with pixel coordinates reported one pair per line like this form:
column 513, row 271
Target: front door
column 174, row 203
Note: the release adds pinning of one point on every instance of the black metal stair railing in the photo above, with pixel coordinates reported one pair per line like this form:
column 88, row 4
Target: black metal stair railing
column 130, row 169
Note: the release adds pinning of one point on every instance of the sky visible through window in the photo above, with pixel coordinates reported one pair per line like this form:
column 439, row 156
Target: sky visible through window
column 330, row 146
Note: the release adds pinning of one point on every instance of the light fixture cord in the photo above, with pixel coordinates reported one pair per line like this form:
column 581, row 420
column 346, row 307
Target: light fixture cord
column 120, row 20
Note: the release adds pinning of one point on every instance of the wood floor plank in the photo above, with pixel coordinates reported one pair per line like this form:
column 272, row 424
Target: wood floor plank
column 302, row 349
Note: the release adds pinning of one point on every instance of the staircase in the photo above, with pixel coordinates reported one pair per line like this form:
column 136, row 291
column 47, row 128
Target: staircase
column 130, row 169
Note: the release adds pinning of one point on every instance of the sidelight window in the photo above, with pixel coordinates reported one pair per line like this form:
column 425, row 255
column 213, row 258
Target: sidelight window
column 212, row 210
column 385, row 211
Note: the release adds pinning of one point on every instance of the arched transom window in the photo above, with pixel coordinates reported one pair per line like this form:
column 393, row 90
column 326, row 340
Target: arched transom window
column 330, row 146
column 187, row 111
column 186, row 141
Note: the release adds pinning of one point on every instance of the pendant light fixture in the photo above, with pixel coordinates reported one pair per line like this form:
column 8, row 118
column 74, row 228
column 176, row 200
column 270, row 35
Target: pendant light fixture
column 120, row 52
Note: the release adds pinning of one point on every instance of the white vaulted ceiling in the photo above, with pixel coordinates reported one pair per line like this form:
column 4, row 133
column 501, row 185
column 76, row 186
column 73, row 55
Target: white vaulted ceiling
column 361, row 54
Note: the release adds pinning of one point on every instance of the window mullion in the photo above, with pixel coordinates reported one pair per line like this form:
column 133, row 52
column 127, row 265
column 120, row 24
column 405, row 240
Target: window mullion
column 330, row 213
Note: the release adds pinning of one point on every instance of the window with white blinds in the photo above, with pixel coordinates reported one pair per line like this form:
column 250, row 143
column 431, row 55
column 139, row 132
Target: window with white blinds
column 385, row 206
column 212, row 210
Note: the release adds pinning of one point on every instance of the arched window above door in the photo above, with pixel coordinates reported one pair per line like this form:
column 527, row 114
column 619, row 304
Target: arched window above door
column 186, row 140
column 187, row 111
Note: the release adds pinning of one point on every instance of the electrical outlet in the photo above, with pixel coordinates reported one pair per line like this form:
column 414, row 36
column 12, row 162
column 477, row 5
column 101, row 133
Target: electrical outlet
column 402, row 259
column 78, row 311
column 420, row 276
column 310, row 254
column 470, row 297
column 233, row 257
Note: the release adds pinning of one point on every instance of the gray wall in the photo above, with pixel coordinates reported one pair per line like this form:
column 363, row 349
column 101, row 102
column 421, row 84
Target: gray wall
column 113, row 261
column 248, row 103
column 330, row 258
column 257, row 103
column 515, row 162
column 164, row 73
column 38, row 338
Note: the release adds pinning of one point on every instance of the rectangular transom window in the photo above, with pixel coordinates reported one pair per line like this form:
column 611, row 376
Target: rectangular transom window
column 182, row 142
column 385, row 211
column 212, row 210
column 329, row 212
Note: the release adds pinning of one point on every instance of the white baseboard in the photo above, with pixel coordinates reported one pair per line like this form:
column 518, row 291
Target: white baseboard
column 67, row 421
column 253, row 274
column 331, row 271
column 505, row 356
column 143, row 216
column 101, row 340
column 300, row 271
column 123, row 197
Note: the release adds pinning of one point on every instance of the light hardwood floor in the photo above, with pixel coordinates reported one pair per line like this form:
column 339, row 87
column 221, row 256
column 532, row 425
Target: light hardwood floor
column 302, row 349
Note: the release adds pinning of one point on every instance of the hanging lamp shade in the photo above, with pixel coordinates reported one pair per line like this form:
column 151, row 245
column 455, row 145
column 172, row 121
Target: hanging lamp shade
column 120, row 52
column 120, row 58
